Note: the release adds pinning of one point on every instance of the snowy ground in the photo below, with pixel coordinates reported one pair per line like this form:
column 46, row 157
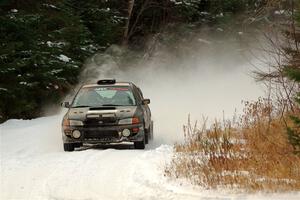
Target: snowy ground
column 34, row 166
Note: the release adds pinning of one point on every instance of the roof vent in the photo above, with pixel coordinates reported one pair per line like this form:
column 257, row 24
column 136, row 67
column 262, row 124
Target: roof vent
column 106, row 81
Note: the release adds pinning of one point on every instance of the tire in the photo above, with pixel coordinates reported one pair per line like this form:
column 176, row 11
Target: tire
column 69, row 147
column 140, row 144
column 146, row 138
column 147, row 132
column 77, row 145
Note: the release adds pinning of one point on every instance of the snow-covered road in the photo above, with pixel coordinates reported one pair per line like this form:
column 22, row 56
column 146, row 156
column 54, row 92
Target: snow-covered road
column 34, row 166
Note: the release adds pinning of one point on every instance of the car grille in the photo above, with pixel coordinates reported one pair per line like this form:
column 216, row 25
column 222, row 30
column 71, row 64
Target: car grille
column 100, row 122
column 101, row 134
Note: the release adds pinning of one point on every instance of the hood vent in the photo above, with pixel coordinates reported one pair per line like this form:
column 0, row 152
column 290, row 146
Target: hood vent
column 103, row 108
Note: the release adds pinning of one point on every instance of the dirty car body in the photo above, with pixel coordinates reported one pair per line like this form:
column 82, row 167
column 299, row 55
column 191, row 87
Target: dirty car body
column 107, row 112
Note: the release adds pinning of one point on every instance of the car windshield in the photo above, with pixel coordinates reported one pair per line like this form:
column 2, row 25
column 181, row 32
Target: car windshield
column 104, row 96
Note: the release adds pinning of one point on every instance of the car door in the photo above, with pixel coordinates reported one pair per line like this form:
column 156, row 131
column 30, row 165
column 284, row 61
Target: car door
column 145, row 108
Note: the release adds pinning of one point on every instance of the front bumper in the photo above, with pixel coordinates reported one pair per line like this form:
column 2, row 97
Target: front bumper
column 103, row 134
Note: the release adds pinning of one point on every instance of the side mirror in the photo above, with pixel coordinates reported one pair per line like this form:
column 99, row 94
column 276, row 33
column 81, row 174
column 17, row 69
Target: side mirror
column 66, row 104
column 146, row 101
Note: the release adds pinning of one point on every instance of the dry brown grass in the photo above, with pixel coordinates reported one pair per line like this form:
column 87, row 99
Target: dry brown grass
column 252, row 153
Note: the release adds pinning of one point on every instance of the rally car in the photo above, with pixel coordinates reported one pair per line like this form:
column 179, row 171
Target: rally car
column 107, row 112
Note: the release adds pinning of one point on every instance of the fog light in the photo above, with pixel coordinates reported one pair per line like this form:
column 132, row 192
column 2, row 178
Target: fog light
column 126, row 132
column 76, row 134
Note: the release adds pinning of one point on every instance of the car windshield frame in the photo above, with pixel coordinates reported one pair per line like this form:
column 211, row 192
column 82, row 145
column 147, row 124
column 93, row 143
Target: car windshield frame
column 94, row 88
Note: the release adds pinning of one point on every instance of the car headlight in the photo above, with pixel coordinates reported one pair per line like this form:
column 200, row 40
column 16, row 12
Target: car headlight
column 133, row 120
column 65, row 125
column 75, row 123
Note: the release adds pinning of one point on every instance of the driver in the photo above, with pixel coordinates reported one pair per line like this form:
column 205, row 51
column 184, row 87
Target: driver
column 90, row 98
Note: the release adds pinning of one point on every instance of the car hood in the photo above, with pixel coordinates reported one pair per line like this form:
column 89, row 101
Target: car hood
column 120, row 112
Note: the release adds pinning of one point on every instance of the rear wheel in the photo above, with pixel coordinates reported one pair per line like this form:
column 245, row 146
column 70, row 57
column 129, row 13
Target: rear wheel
column 69, row 147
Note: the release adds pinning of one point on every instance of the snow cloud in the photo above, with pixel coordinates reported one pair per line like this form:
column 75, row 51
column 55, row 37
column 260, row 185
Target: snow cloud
column 197, row 78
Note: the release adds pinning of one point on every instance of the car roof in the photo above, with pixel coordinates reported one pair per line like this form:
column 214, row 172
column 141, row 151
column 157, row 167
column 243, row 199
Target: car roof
column 114, row 84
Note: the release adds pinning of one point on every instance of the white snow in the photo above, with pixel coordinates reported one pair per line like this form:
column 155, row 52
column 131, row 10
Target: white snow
column 23, row 83
column 220, row 15
column 204, row 13
column 64, row 58
column 177, row 2
column 34, row 166
column 3, row 89
column 279, row 12
column 204, row 41
column 56, row 71
column 220, row 29
column 55, row 44
column 50, row 5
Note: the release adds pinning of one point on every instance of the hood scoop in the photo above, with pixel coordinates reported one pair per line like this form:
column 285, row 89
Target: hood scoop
column 103, row 108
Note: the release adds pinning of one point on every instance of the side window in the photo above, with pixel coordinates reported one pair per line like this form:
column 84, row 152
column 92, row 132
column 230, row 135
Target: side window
column 138, row 94
column 141, row 94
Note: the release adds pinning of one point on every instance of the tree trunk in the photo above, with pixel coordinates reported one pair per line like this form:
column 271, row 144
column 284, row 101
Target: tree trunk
column 127, row 25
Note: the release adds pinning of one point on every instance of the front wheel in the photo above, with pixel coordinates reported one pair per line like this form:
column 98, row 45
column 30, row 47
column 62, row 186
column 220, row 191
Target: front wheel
column 149, row 133
column 140, row 144
column 146, row 137
column 69, row 147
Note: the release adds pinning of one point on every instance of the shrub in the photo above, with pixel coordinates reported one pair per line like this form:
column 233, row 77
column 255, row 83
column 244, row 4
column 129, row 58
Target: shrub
column 252, row 153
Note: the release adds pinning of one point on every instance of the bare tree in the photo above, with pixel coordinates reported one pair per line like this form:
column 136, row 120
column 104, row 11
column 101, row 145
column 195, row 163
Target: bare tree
column 283, row 47
column 136, row 11
column 127, row 24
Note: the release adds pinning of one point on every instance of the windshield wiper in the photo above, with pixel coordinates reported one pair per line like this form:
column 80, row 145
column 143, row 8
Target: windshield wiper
column 81, row 106
column 111, row 105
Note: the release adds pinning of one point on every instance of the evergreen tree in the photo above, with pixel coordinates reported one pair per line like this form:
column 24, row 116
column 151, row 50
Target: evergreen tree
column 42, row 50
column 292, row 70
column 43, row 43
